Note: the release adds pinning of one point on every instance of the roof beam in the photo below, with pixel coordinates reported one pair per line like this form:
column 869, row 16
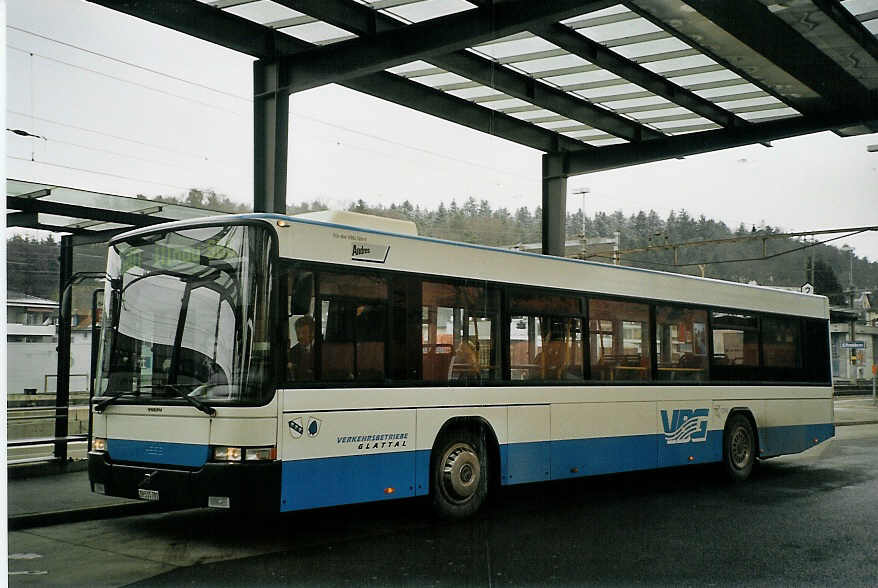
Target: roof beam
column 239, row 34
column 368, row 54
column 484, row 71
column 210, row 24
column 597, row 54
column 457, row 110
column 850, row 24
column 84, row 212
column 753, row 24
column 615, row 156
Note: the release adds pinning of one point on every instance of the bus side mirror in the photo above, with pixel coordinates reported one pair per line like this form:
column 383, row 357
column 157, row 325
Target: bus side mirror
column 300, row 302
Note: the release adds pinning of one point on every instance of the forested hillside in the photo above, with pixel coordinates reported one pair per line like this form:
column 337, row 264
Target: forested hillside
column 33, row 265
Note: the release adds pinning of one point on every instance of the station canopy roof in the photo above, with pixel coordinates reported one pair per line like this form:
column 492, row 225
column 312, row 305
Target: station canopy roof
column 90, row 216
column 604, row 83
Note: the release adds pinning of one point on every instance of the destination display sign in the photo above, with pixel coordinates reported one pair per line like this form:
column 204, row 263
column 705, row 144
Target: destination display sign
column 854, row 344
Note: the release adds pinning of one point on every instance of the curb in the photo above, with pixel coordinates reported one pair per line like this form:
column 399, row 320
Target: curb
column 92, row 513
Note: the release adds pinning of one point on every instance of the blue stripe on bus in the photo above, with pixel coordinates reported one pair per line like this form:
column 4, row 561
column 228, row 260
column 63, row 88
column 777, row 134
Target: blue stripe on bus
column 329, row 481
column 573, row 458
column 312, row 483
column 677, row 454
column 793, row 438
column 525, row 462
column 158, row 452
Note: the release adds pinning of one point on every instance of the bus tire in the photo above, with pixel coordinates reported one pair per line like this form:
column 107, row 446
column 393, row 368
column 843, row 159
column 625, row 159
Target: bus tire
column 739, row 447
column 459, row 474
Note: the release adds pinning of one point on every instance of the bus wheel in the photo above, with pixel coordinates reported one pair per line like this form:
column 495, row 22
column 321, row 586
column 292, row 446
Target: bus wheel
column 459, row 475
column 739, row 447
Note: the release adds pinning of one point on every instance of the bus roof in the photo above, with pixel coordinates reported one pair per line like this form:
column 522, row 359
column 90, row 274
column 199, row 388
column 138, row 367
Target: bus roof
column 483, row 262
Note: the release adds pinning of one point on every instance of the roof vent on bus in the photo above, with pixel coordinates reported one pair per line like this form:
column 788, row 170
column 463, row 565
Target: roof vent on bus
column 363, row 221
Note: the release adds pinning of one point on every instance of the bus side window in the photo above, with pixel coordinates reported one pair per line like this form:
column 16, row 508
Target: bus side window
column 542, row 344
column 618, row 340
column 681, row 343
column 353, row 326
column 459, row 333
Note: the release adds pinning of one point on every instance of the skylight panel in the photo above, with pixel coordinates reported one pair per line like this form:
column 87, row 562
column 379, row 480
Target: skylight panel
column 474, row 94
column 428, row 9
column 548, row 64
column 697, row 60
column 555, row 124
column 582, row 79
column 697, row 78
column 521, row 47
column 619, row 31
column 412, row 68
column 652, row 47
column 263, row 11
column 442, row 79
column 531, row 114
column 607, row 142
column 744, row 87
column 501, row 104
column 767, row 115
column 319, row 32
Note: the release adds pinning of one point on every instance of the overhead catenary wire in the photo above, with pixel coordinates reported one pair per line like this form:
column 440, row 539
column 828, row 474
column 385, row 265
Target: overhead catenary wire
column 738, row 260
column 130, row 82
column 231, row 95
column 99, row 173
column 107, row 151
column 117, row 137
column 134, row 65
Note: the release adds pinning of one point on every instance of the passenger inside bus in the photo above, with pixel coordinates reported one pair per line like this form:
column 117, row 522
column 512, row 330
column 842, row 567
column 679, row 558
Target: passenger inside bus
column 301, row 359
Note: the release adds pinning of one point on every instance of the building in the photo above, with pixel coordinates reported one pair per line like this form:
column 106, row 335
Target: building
column 857, row 325
column 30, row 319
column 32, row 340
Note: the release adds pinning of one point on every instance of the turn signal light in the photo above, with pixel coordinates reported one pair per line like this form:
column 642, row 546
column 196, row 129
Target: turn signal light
column 389, row 490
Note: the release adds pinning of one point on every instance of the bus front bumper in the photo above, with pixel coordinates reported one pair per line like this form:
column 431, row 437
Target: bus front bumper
column 252, row 487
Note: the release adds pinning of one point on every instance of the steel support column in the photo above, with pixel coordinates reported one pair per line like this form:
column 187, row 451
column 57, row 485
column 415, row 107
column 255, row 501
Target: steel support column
column 271, row 108
column 554, row 204
column 62, row 389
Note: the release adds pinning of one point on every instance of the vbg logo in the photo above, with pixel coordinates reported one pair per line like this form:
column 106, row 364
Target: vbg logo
column 685, row 425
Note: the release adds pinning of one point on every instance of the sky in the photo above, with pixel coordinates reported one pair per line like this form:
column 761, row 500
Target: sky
column 127, row 107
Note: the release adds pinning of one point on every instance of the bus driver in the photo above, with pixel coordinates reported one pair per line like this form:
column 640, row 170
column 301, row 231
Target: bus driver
column 301, row 360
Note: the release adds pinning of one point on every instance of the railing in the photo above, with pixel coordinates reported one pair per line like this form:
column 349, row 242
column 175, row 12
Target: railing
column 34, row 414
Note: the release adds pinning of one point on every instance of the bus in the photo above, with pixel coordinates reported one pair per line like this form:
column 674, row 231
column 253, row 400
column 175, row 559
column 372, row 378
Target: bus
column 263, row 362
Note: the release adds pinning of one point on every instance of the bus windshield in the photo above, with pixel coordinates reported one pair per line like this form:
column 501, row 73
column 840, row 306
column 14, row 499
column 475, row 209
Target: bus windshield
column 187, row 316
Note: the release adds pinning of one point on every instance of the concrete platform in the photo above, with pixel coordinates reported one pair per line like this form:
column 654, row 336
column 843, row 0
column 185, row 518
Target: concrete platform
column 40, row 500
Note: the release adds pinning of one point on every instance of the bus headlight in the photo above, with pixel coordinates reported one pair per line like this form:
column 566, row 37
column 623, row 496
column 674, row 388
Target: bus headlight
column 223, row 453
column 98, row 444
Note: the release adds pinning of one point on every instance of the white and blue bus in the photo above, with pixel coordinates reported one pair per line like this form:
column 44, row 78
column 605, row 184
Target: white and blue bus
column 266, row 362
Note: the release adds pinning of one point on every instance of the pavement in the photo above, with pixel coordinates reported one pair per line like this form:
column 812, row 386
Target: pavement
column 40, row 500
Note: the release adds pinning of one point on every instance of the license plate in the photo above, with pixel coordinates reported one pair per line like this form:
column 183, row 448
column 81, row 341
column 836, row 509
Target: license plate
column 148, row 494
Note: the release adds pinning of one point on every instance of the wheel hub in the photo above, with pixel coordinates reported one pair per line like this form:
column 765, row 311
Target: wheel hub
column 461, row 472
column 741, row 448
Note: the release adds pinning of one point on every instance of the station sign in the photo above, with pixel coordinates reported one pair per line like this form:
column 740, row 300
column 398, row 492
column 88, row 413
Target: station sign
column 854, row 344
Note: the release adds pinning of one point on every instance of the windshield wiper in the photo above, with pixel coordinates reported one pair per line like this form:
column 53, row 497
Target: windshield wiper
column 103, row 404
column 208, row 410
